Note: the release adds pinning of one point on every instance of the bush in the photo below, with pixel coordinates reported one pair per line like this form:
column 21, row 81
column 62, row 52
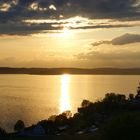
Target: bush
column 3, row 134
column 123, row 127
column 19, row 125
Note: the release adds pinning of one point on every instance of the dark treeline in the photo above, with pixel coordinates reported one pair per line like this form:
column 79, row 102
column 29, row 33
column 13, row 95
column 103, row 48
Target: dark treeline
column 58, row 71
column 115, row 117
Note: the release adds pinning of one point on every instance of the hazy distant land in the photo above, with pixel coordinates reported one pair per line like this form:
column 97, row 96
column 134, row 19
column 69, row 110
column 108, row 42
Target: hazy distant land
column 58, row 71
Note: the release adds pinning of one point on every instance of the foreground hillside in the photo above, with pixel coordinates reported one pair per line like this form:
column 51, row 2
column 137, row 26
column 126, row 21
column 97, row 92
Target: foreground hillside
column 115, row 117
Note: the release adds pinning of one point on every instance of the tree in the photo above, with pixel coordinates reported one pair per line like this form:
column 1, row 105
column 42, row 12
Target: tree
column 113, row 100
column 19, row 126
column 85, row 103
column 3, row 134
column 131, row 97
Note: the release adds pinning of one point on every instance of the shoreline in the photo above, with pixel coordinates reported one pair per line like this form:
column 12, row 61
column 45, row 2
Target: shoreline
column 74, row 71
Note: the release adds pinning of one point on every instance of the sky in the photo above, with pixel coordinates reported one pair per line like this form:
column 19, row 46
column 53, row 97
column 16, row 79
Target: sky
column 70, row 33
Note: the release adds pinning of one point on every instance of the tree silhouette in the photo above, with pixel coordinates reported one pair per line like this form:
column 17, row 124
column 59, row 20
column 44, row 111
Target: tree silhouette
column 19, row 125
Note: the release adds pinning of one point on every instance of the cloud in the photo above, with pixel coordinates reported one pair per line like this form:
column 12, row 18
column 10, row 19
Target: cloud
column 121, row 40
column 112, row 55
column 26, row 29
column 126, row 39
column 13, row 12
column 91, row 8
column 118, row 55
column 112, row 58
column 100, row 43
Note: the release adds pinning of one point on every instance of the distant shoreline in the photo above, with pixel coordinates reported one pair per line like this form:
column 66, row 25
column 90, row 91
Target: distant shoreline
column 74, row 71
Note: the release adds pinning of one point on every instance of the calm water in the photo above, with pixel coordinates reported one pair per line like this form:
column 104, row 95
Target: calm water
column 32, row 97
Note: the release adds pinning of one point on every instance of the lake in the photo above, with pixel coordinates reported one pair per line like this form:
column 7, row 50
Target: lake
column 36, row 97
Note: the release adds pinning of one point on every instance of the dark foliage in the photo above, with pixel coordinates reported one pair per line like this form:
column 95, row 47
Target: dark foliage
column 123, row 127
column 19, row 126
column 3, row 134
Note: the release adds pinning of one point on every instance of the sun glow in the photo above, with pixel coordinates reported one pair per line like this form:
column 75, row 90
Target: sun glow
column 66, row 32
column 65, row 100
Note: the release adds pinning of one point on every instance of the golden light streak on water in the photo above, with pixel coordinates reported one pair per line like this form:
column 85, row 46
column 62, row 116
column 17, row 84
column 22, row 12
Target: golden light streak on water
column 65, row 99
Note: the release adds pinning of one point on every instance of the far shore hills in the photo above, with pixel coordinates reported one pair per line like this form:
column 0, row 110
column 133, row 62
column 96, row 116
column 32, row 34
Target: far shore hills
column 76, row 71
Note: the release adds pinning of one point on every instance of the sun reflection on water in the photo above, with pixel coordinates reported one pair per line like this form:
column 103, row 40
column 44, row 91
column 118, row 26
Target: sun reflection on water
column 65, row 100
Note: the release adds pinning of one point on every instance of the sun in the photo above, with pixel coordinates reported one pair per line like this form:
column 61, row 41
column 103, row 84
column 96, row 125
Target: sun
column 66, row 32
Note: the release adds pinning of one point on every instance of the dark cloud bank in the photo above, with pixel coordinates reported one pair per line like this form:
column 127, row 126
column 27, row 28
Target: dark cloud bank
column 121, row 40
column 13, row 12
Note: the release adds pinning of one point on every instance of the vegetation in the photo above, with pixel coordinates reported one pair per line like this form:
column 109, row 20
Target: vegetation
column 19, row 126
column 3, row 134
column 123, row 127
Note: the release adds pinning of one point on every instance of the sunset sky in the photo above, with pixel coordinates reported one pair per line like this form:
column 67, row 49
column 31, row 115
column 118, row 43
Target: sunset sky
column 70, row 33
